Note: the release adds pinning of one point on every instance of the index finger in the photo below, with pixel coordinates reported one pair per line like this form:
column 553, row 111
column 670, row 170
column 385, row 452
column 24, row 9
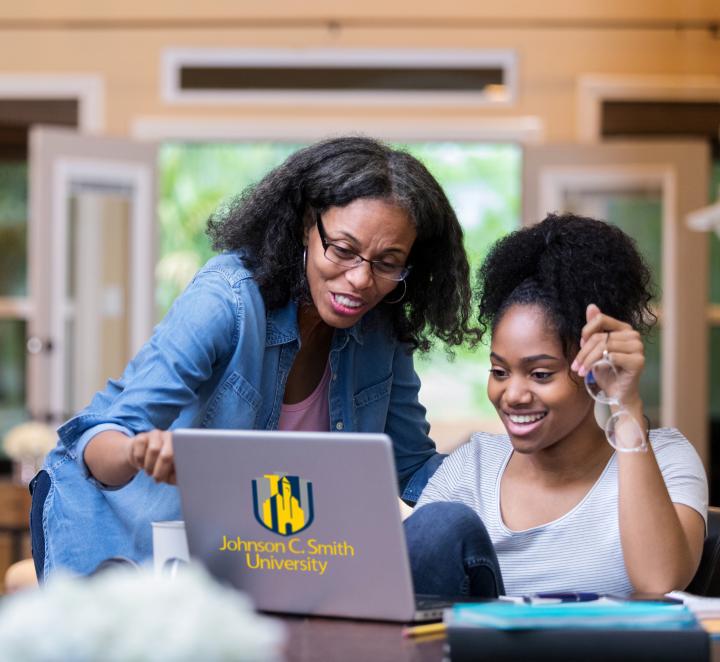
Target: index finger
column 138, row 449
column 601, row 323
column 165, row 464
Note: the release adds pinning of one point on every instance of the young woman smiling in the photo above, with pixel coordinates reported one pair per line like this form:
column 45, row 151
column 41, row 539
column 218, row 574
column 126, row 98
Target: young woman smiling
column 576, row 496
column 334, row 268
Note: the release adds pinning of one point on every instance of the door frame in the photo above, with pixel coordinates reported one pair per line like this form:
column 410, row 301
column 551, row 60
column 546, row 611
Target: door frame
column 679, row 169
column 89, row 92
column 58, row 157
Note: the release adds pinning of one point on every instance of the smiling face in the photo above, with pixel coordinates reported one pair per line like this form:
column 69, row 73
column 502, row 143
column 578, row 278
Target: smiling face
column 375, row 229
column 530, row 384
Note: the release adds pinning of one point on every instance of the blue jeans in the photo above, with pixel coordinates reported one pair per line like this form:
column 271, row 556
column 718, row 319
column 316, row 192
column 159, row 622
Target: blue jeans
column 451, row 552
column 39, row 488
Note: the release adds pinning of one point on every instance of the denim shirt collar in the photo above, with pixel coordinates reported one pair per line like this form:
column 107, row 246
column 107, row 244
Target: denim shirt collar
column 355, row 332
column 282, row 327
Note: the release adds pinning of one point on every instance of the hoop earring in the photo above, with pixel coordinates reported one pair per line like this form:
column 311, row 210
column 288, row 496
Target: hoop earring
column 402, row 296
column 305, row 259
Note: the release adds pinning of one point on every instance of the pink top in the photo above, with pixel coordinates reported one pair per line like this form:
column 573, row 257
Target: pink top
column 311, row 414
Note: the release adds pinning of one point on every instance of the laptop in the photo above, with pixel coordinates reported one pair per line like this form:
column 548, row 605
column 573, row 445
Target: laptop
column 304, row 522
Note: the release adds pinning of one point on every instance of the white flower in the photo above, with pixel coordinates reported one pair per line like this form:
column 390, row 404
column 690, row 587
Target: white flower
column 124, row 614
column 29, row 440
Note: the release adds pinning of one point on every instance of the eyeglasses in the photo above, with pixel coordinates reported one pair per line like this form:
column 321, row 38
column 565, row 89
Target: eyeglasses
column 623, row 432
column 349, row 259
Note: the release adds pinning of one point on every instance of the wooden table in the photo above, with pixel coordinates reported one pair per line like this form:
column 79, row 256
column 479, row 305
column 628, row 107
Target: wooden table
column 337, row 640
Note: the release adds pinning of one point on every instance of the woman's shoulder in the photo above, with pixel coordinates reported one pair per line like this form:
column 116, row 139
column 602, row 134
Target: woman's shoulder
column 226, row 278
column 220, row 299
column 483, row 448
column 231, row 266
column 490, row 441
column 671, row 446
column 681, row 468
column 474, row 463
column 666, row 437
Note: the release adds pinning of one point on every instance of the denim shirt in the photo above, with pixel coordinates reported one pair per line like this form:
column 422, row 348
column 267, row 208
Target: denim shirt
column 220, row 360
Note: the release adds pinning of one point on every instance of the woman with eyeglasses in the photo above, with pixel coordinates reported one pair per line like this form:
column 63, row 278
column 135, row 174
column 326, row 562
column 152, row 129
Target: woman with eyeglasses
column 333, row 269
column 578, row 495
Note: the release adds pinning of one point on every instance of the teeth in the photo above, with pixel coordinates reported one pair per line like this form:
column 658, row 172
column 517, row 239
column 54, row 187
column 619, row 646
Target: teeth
column 346, row 301
column 525, row 419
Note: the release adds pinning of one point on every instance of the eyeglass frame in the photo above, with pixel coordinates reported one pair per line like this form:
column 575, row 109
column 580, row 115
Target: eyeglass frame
column 621, row 409
column 327, row 244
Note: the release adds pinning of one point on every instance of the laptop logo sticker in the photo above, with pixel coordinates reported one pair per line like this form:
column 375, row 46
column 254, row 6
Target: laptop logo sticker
column 283, row 504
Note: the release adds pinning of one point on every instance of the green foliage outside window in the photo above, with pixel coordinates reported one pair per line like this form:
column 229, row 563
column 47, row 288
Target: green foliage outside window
column 194, row 180
column 13, row 283
column 715, row 239
column 13, row 228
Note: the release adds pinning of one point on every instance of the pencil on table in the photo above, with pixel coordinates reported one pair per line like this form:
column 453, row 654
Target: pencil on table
column 422, row 630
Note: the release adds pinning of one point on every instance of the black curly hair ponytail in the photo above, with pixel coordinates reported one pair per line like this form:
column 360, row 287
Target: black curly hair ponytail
column 563, row 264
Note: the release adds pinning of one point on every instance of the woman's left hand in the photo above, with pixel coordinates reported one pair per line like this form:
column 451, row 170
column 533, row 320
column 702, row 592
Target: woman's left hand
column 624, row 349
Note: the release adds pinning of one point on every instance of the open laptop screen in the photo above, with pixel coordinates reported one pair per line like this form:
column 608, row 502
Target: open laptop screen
column 304, row 522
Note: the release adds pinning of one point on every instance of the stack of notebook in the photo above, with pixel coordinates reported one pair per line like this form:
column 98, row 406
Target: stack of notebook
column 706, row 610
column 602, row 630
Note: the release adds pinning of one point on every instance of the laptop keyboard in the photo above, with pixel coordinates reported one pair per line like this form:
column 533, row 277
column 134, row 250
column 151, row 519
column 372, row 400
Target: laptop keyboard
column 428, row 602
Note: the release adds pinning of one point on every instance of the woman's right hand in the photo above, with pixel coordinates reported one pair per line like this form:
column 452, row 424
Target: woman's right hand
column 153, row 453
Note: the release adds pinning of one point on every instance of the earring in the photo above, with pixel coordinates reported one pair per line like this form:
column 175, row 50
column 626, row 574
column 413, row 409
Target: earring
column 402, row 296
column 304, row 259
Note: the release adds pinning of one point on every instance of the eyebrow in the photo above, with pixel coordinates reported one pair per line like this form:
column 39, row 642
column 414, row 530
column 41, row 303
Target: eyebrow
column 526, row 359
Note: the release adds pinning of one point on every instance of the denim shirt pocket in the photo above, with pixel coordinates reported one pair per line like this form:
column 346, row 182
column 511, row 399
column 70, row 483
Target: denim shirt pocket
column 370, row 406
column 234, row 406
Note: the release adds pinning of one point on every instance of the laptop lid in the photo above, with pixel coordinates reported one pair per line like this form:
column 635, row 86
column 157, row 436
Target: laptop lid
column 305, row 522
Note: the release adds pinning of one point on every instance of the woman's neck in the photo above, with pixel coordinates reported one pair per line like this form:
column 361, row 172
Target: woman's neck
column 311, row 359
column 313, row 331
column 580, row 456
column 541, row 487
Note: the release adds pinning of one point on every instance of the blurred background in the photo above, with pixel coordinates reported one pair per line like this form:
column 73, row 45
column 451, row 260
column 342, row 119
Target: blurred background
column 123, row 125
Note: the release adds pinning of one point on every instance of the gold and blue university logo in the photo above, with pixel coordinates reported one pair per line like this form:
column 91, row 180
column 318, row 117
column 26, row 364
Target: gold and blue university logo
column 283, row 504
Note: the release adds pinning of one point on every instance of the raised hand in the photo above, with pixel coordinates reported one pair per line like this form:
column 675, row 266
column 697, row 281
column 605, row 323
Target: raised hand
column 606, row 337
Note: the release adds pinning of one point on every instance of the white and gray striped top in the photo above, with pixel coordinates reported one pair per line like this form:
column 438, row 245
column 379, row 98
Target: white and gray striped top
column 581, row 550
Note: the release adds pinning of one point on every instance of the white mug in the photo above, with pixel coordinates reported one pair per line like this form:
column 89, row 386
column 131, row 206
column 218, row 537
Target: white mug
column 169, row 542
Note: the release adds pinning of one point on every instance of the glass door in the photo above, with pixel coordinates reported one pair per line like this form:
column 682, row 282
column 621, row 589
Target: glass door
column 91, row 257
column 646, row 188
column 14, row 302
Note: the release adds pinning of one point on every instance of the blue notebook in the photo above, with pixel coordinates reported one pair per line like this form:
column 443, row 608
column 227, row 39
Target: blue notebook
column 573, row 615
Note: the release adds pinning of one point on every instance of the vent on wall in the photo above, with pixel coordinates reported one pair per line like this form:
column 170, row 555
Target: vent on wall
column 372, row 76
column 667, row 119
column 18, row 115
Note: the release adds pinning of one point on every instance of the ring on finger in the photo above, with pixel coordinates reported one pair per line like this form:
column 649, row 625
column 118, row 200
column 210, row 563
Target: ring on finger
column 605, row 354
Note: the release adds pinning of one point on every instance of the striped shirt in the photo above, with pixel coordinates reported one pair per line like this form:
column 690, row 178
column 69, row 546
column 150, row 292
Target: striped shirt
column 579, row 551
